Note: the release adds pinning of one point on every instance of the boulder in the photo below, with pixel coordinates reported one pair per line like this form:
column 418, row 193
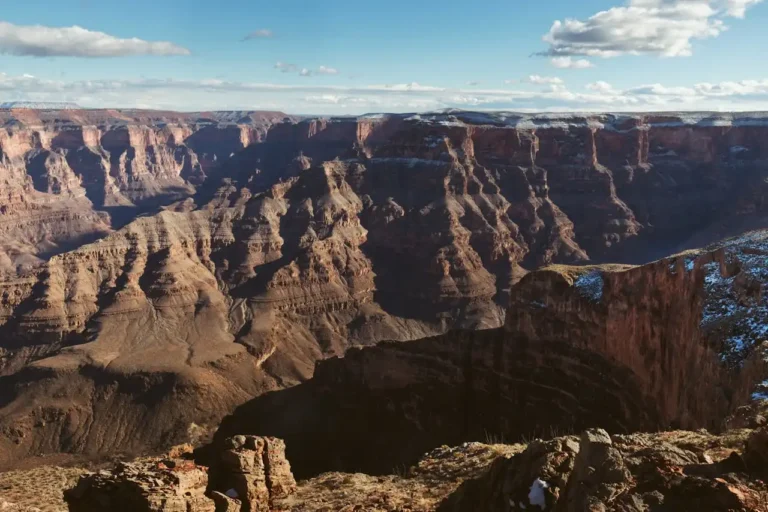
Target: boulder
column 148, row 485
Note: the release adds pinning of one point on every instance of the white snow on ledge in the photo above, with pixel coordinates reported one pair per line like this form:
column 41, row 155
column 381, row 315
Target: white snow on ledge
column 536, row 496
column 590, row 120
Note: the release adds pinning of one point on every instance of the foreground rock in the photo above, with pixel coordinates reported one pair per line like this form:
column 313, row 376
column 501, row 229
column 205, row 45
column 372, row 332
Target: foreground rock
column 674, row 471
column 256, row 470
column 252, row 476
column 151, row 485
column 667, row 472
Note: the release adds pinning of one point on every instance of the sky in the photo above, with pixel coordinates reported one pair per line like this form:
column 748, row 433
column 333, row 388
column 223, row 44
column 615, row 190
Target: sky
column 344, row 57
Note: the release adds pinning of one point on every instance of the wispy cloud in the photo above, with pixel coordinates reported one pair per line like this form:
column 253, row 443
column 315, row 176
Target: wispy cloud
column 571, row 63
column 285, row 67
column 656, row 27
column 306, row 72
column 42, row 41
column 263, row 33
column 324, row 70
column 544, row 80
column 312, row 98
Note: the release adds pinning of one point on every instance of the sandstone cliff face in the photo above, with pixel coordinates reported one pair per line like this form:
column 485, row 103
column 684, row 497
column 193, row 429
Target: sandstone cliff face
column 615, row 346
column 304, row 238
column 63, row 172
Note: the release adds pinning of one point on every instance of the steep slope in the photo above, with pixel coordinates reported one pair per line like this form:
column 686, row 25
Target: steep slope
column 282, row 242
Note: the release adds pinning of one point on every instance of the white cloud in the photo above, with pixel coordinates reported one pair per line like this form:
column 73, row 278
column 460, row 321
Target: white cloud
column 285, row 67
column 311, row 98
column 263, row 33
column 324, row 70
column 473, row 83
column 661, row 90
column 544, row 80
column 571, row 63
column 510, row 82
column 657, row 27
column 306, row 72
column 41, row 41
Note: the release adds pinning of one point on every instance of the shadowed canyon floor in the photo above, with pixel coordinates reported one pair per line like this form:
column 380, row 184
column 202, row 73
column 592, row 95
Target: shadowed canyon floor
column 179, row 265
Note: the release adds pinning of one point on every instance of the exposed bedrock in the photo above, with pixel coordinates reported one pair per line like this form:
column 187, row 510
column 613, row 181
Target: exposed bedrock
column 614, row 347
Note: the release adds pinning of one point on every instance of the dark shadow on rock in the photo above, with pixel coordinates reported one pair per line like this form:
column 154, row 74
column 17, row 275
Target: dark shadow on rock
column 383, row 407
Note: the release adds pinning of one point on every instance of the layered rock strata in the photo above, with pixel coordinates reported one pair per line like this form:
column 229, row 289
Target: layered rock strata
column 305, row 237
column 615, row 346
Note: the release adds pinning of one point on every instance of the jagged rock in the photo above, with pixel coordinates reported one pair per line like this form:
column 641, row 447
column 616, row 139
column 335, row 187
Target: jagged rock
column 599, row 473
column 257, row 470
column 151, row 485
column 620, row 473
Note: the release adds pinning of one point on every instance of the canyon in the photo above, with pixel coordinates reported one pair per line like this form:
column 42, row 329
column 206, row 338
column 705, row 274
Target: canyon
column 161, row 271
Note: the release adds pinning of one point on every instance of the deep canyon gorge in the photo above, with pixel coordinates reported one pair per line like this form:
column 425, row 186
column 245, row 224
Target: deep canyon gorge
column 175, row 277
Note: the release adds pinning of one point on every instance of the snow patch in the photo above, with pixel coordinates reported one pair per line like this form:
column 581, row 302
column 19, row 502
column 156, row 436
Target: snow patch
column 536, row 496
column 590, row 285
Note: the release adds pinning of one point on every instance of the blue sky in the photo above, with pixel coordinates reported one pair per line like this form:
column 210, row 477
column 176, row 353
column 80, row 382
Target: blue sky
column 351, row 57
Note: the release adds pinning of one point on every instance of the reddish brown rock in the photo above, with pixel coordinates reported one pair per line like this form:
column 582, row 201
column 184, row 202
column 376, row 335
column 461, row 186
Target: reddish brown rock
column 257, row 470
column 146, row 485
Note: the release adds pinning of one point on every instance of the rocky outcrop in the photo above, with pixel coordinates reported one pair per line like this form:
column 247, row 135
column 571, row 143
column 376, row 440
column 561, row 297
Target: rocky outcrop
column 151, row 485
column 629, row 473
column 306, row 237
column 252, row 476
column 672, row 470
column 256, row 469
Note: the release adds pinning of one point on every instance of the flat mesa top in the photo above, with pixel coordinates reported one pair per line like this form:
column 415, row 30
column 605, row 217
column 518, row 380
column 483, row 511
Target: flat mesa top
column 27, row 113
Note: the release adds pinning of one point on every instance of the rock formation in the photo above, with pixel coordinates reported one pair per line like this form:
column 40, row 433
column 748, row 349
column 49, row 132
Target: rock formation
column 150, row 485
column 270, row 243
column 615, row 346
column 256, row 469
column 630, row 473
column 673, row 470
column 254, row 473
